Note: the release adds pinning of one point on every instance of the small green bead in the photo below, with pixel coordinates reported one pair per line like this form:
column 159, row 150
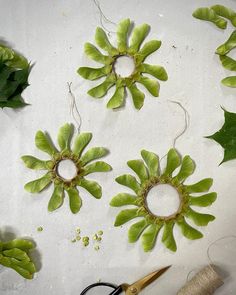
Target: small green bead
column 96, row 248
column 40, row 229
column 100, row 232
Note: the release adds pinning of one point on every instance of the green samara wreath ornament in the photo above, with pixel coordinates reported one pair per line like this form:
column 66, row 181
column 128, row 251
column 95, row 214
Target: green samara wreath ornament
column 123, row 49
column 81, row 163
column 150, row 224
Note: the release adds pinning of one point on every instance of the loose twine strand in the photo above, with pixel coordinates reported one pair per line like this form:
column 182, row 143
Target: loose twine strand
column 74, row 113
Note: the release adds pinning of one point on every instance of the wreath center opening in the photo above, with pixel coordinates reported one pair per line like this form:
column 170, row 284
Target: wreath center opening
column 163, row 200
column 66, row 169
column 124, row 66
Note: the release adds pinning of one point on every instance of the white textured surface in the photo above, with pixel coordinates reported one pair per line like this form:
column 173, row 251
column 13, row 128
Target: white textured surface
column 51, row 34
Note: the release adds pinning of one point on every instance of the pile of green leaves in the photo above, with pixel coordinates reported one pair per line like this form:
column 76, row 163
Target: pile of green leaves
column 14, row 72
column 15, row 254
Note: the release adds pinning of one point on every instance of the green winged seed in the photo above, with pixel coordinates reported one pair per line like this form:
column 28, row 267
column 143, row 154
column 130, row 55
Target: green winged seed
column 92, row 52
column 57, row 198
column 34, row 163
column 103, row 42
column 100, row 90
column 139, row 168
column 201, row 186
column 16, row 253
column 122, row 34
column 149, row 237
column 152, row 162
column 136, row 230
column 188, row 231
column 125, row 216
column 98, row 166
column 93, row 73
column 123, row 199
column 117, row 100
column 74, row 200
column 199, row 219
column 173, row 162
column 43, row 143
column 151, row 85
column 92, row 187
column 208, row 14
column 137, row 37
column 64, row 136
column 229, row 81
column 228, row 62
column 129, row 181
column 156, row 71
column 149, row 48
column 81, row 141
column 168, row 237
column 93, row 154
column 228, row 45
column 187, row 169
column 38, row 185
column 225, row 12
column 204, row 200
column 137, row 96
column 18, row 243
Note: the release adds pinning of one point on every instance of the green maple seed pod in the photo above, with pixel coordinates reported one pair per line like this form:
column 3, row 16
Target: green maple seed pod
column 208, row 14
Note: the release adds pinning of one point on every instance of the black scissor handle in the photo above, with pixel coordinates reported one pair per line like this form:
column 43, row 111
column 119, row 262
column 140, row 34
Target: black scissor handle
column 117, row 289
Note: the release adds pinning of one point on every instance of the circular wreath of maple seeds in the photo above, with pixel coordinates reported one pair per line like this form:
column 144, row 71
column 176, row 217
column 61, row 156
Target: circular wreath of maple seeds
column 81, row 162
column 123, row 49
column 150, row 224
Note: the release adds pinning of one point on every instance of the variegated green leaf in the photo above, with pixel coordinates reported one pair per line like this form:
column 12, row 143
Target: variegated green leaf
column 100, row 90
column 187, row 169
column 188, row 231
column 129, row 181
column 228, row 45
column 81, row 141
column 149, row 237
column 139, row 168
column 93, row 154
column 92, row 52
column 122, row 34
column 149, row 48
column 225, row 12
column 204, row 200
column 38, row 185
column 201, row 186
column 228, row 62
column 99, row 166
column 199, row 218
column 64, row 136
column 18, row 243
column 173, row 162
column 43, row 143
column 208, row 14
column 137, row 96
column 93, row 73
column 156, row 71
column 103, row 42
column 123, row 199
column 34, row 163
column 136, row 230
column 92, row 187
column 117, row 100
column 151, row 85
column 57, row 198
column 125, row 216
column 74, row 200
column 17, row 254
column 229, row 81
column 168, row 237
column 137, row 37
column 152, row 162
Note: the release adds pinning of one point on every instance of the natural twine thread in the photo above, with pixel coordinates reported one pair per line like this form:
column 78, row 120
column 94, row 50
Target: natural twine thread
column 205, row 282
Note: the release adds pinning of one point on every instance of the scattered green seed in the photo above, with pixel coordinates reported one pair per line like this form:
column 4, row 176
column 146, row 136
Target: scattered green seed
column 99, row 239
column 78, row 230
column 73, row 240
column 100, row 232
column 78, row 238
column 96, row 248
column 86, row 243
column 95, row 237
column 40, row 228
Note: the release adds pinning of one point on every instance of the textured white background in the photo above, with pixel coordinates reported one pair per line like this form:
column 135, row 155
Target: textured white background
column 51, row 34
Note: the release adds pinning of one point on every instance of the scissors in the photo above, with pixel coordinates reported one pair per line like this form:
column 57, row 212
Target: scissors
column 133, row 289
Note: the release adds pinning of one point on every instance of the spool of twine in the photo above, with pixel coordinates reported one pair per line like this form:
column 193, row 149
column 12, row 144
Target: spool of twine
column 205, row 282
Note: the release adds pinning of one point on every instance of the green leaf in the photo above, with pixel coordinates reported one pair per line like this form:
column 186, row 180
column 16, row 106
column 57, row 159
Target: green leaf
column 228, row 45
column 38, row 185
column 204, row 200
column 229, row 81
column 228, row 63
column 103, row 42
column 129, row 181
column 149, row 48
column 100, row 90
column 208, row 14
column 136, row 230
column 152, row 162
column 34, row 163
column 74, row 200
column 149, row 237
column 156, row 71
column 6, row 53
column 99, row 166
column 199, row 219
column 173, row 162
column 122, row 34
column 93, row 154
column 117, row 100
column 14, row 103
column 152, row 86
column 137, row 37
column 43, row 143
column 18, row 62
column 123, row 199
column 57, row 198
column 187, row 169
column 168, row 237
column 139, row 168
column 17, row 254
column 125, row 216
column 188, row 231
column 81, row 141
column 92, row 52
column 64, row 136
column 92, row 187
column 18, row 243
column 93, row 73
column 200, row 187
column 225, row 12
column 137, row 96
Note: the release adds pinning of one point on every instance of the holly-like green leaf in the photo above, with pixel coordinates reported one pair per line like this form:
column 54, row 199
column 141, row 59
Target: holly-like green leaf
column 99, row 166
column 43, row 143
column 151, row 85
column 21, row 244
column 149, row 48
column 64, row 136
column 81, row 141
column 93, row 73
column 225, row 12
column 149, row 237
column 125, row 216
column 199, row 218
column 173, row 162
column 34, row 163
column 117, row 100
column 156, row 71
column 188, row 231
column 152, row 162
column 129, row 181
column 92, row 187
column 38, row 185
column 137, row 96
column 208, row 14
column 122, row 34
column 139, row 168
column 123, row 199
column 229, row 81
column 93, row 154
column 100, row 90
column 204, row 200
column 92, row 52
column 228, row 45
column 57, row 198
column 74, row 200
column 228, row 63
column 137, row 37
column 200, row 187
column 226, row 136
column 187, row 168
column 136, row 230
column 103, row 42
column 168, row 237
